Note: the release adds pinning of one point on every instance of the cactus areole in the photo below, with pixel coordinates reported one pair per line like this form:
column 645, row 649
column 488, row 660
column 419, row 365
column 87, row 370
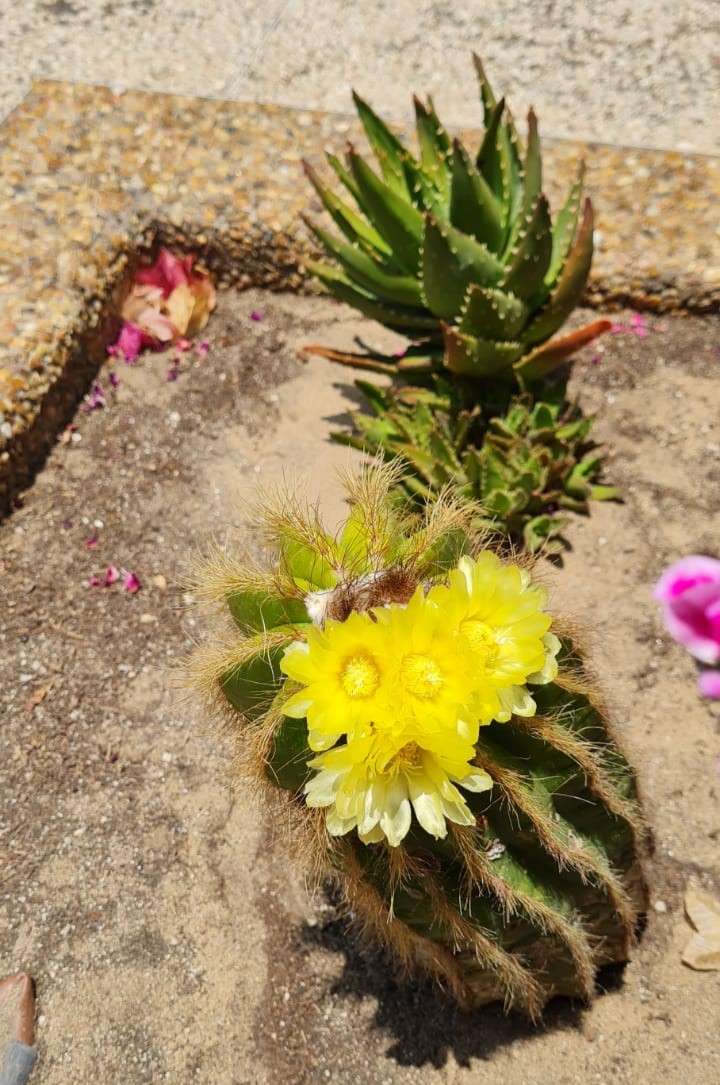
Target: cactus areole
column 459, row 251
column 435, row 743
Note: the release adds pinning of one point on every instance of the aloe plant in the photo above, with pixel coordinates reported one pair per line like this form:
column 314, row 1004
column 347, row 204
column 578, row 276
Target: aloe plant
column 459, row 251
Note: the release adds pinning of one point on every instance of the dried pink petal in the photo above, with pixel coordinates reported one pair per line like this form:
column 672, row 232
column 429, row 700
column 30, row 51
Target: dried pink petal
column 256, row 315
column 114, row 379
column 91, row 543
column 202, row 348
column 173, row 371
column 131, row 582
column 95, row 582
column 183, row 345
column 95, row 399
column 112, row 575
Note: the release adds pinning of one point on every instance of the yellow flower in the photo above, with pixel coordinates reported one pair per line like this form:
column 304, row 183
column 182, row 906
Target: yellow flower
column 394, row 697
column 343, row 671
column 499, row 614
column 375, row 782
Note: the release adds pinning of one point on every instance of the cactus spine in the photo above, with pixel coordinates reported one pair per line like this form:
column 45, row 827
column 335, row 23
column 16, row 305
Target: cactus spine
column 519, row 879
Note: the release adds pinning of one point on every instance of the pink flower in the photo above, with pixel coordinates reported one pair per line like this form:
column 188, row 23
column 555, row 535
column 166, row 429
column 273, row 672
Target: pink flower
column 689, row 592
column 709, row 684
column 168, row 272
column 131, row 582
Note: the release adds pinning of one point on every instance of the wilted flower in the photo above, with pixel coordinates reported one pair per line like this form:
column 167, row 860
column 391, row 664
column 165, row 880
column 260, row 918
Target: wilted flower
column 689, row 592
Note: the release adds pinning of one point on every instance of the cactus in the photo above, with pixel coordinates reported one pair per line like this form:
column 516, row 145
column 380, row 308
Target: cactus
column 430, row 738
column 459, row 250
column 525, row 464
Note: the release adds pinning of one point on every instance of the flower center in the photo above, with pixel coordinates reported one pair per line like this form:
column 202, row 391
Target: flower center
column 481, row 639
column 407, row 758
column 421, row 676
column 360, row 676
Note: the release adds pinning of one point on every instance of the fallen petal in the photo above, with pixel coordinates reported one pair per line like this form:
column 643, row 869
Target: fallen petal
column 256, row 315
column 112, row 575
column 131, row 582
column 709, row 684
column 91, row 543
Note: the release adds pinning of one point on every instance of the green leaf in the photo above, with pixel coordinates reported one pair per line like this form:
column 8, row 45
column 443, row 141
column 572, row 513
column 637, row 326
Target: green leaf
column 434, row 145
column 472, row 357
column 532, row 253
column 259, row 610
column 540, row 530
column 507, row 166
column 396, row 220
column 564, row 228
column 251, row 686
column 286, row 764
column 352, row 225
column 395, row 161
column 533, row 165
column 489, row 161
column 474, row 208
column 402, row 289
column 451, row 261
column 491, row 313
column 570, row 284
column 407, row 320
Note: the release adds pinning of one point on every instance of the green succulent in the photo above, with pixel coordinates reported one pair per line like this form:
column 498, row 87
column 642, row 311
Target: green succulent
column 526, row 464
column 456, row 250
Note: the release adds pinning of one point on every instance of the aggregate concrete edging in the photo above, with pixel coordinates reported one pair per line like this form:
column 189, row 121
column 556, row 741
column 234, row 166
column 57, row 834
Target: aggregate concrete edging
column 89, row 181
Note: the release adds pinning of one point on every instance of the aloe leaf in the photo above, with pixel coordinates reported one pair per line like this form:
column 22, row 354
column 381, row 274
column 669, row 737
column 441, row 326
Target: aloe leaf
column 489, row 161
column 396, row 220
column 341, row 287
column 402, row 289
column 565, row 226
column 509, row 161
column 544, row 359
column 352, row 225
column 570, row 284
column 393, row 157
column 533, row 165
column 532, row 254
column 491, row 313
column 474, row 208
column 434, row 144
column 471, row 357
column 451, row 261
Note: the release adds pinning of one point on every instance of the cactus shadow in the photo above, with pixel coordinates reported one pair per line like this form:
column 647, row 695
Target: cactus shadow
column 425, row 1026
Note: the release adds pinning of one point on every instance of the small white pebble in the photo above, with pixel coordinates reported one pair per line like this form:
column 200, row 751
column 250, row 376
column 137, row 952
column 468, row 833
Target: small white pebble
column 660, row 906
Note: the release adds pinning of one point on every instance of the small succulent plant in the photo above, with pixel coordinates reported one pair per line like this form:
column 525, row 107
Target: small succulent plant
column 435, row 742
column 460, row 251
column 525, row 463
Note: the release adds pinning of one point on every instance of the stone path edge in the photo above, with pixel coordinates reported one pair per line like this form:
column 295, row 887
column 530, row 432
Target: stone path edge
column 91, row 181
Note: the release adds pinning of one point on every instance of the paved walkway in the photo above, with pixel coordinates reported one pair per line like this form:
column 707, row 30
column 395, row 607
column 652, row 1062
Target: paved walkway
column 643, row 73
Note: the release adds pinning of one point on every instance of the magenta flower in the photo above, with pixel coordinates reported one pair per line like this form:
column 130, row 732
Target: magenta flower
column 689, row 592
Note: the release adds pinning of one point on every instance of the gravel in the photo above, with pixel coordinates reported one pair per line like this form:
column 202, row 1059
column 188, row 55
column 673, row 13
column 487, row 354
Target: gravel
column 641, row 73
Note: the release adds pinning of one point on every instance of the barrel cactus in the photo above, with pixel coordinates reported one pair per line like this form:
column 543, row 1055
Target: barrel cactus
column 460, row 251
column 433, row 743
column 526, row 463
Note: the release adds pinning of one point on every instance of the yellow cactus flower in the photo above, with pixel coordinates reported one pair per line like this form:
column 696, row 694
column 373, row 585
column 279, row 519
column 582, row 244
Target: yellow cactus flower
column 394, row 697
column 499, row 613
column 375, row 782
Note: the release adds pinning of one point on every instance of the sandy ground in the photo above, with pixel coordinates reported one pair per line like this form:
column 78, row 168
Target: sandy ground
column 170, row 937
column 644, row 73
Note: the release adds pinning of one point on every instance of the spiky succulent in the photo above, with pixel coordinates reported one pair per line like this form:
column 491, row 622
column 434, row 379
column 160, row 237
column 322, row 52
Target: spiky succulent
column 525, row 463
column 459, row 249
column 438, row 748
